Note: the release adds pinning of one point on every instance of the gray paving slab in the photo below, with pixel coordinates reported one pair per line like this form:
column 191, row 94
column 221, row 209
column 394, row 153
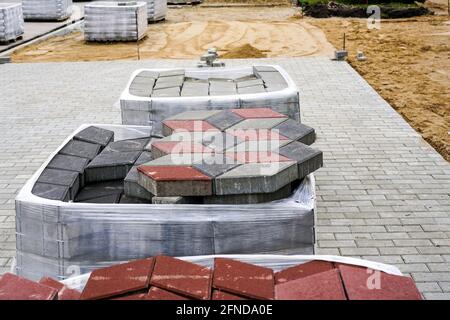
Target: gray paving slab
column 297, row 131
column 95, row 135
column 132, row 188
column 110, row 165
column 224, row 119
column 81, row 149
column 51, row 191
column 379, row 175
column 101, row 189
column 308, row 159
column 69, row 179
column 127, row 145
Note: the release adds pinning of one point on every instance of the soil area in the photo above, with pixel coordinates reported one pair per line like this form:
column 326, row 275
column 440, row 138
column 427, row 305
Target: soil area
column 408, row 63
column 188, row 32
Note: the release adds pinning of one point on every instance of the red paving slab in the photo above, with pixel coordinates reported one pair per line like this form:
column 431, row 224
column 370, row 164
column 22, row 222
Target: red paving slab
column 222, row 295
column 182, row 277
column 64, row 293
column 156, row 293
column 189, row 125
column 118, row 279
column 13, row 287
column 255, row 113
column 136, row 296
column 320, row 286
column 181, row 147
column 256, row 134
column 173, row 173
column 243, row 279
column 302, row 270
column 361, row 284
column 257, row 157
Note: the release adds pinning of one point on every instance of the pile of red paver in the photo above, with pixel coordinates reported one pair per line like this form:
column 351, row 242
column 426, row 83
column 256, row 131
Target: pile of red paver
column 167, row 278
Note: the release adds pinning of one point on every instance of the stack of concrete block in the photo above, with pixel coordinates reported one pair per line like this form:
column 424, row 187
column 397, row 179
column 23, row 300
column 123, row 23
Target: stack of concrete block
column 150, row 98
column 156, row 10
column 238, row 156
column 115, row 21
column 11, row 21
column 50, row 10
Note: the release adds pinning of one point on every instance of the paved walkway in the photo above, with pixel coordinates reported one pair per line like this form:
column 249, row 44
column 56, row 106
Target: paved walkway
column 384, row 194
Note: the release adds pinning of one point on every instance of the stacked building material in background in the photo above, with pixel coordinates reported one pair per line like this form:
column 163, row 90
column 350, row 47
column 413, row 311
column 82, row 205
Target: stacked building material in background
column 11, row 21
column 115, row 21
column 156, row 10
column 49, row 10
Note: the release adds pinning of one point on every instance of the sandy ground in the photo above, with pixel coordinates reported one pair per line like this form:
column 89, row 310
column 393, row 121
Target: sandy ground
column 408, row 63
column 189, row 32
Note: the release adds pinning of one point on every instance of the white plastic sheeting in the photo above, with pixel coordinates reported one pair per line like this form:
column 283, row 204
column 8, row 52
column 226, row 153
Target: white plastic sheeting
column 11, row 21
column 47, row 9
column 54, row 238
column 275, row 262
column 111, row 21
column 151, row 111
column 156, row 10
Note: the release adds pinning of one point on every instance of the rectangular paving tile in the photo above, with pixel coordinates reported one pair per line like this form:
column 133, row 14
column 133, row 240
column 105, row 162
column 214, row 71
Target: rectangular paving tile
column 222, row 295
column 64, row 292
column 132, row 188
column 243, row 279
column 169, row 126
column 13, row 287
column 95, row 135
column 69, row 179
column 251, row 198
column 296, row 131
column 156, row 293
column 252, row 90
column 110, row 165
column 51, row 191
column 182, row 277
column 81, row 149
column 260, row 123
column 100, row 189
column 128, row 145
column 302, row 270
column 257, row 113
column 70, row 163
column 308, row 159
column 166, row 92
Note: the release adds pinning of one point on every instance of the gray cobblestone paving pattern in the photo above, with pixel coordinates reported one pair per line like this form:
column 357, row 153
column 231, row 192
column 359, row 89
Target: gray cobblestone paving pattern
column 383, row 193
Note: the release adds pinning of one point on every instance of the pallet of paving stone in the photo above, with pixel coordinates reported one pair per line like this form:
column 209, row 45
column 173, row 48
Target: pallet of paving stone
column 11, row 22
column 261, row 277
column 156, row 10
column 47, row 10
column 115, row 21
column 53, row 235
column 153, row 95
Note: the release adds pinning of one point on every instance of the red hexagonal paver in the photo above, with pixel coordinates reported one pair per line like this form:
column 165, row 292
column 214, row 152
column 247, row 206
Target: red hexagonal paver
column 320, row 286
column 255, row 113
column 365, row 284
column 156, row 293
column 243, row 279
column 173, row 173
column 222, row 295
column 180, row 147
column 187, row 125
column 118, row 279
column 64, row 293
column 13, row 287
column 182, row 277
column 302, row 271
column 254, row 157
column 256, row 134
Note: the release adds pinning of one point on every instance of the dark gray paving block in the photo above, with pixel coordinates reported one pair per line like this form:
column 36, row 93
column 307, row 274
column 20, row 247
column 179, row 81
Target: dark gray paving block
column 224, row 119
column 65, row 178
column 95, row 135
column 252, row 198
column 110, row 165
column 101, row 189
column 171, row 73
column 112, row 198
column 308, row 159
column 256, row 178
column 132, row 188
column 132, row 200
column 250, row 83
column 257, row 69
column 128, row 145
column 81, row 149
column 216, row 165
column 220, row 141
column 51, row 191
column 145, row 156
column 251, row 90
column 167, row 92
column 296, row 131
column 148, row 74
column 71, row 163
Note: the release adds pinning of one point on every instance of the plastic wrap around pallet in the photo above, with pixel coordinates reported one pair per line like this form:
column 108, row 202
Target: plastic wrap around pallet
column 11, row 21
column 111, row 21
column 53, row 236
column 275, row 262
column 156, row 10
column 138, row 110
column 47, row 9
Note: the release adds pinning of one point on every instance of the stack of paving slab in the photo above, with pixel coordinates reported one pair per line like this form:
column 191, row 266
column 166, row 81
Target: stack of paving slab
column 178, row 2
column 153, row 95
column 47, row 10
column 77, row 210
column 115, row 21
column 156, row 10
column 11, row 21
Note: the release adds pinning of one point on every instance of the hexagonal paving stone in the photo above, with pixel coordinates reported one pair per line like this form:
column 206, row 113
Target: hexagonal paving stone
column 296, row 131
column 220, row 141
column 169, row 126
column 162, row 148
column 224, row 119
column 256, row 134
column 257, row 157
column 194, row 115
column 308, row 159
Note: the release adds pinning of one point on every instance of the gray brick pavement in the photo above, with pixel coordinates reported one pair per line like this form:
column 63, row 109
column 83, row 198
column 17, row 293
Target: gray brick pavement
column 383, row 193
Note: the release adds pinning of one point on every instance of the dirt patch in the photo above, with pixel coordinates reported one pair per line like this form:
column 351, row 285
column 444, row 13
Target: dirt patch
column 189, row 32
column 408, row 63
column 242, row 52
